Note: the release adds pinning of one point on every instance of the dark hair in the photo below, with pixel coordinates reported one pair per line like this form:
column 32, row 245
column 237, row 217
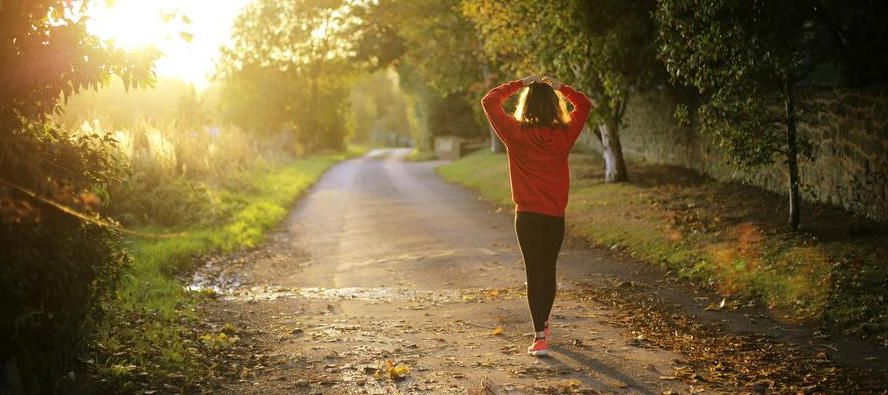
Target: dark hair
column 539, row 105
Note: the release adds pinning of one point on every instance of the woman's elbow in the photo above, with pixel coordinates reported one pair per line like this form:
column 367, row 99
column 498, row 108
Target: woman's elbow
column 488, row 103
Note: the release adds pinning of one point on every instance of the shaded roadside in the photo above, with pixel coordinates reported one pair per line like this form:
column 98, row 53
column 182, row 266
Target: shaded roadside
column 730, row 237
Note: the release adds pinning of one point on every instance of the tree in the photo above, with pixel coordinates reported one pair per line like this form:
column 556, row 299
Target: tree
column 58, row 266
column 605, row 48
column 437, row 55
column 379, row 109
column 46, row 55
column 288, row 69
column 747, row 59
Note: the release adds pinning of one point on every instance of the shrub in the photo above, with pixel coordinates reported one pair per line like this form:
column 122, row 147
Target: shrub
column 175, row 171
column 60, row 260
column 56, row 276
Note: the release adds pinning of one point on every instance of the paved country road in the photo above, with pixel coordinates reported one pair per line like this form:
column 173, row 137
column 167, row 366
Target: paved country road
column 383, row 262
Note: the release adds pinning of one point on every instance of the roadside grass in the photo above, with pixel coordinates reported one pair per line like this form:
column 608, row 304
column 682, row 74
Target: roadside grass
column 418, row 155
column 730, row 237
column 154, row 335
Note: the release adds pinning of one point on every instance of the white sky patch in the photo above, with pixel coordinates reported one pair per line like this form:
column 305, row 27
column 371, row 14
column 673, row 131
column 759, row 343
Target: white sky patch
column 134, row 24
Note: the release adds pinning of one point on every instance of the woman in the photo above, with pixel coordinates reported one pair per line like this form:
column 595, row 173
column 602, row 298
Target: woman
column 538, row 139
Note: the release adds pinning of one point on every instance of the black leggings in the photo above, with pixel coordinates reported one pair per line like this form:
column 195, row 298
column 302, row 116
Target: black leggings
column 539, row 237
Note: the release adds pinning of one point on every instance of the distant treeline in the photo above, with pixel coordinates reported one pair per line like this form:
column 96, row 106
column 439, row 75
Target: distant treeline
column 738, row 64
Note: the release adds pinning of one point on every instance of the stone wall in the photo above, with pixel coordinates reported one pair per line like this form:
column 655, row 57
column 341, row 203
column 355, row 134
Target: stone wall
column 848, row 131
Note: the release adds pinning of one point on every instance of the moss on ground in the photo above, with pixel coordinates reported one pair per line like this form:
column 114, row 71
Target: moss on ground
column 730, row 236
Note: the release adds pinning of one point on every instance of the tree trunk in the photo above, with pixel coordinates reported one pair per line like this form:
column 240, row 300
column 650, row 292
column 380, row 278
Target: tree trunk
column 792, row 159
column 496, row 145
column 614, row 165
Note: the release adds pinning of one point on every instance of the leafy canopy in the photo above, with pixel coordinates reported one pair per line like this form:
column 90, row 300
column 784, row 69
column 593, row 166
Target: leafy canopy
column 47, row 55
column 743, row 57
column 288, row 69
column 605, row 48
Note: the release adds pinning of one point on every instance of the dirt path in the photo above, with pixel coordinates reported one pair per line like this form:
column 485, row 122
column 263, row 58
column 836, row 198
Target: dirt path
column 386, row 279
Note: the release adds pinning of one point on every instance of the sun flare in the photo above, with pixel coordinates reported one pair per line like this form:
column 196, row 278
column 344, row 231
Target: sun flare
column 131, row 24
column 188, row 33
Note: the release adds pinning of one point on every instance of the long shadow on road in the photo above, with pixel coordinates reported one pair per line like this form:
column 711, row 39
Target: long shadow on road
column 387, row 279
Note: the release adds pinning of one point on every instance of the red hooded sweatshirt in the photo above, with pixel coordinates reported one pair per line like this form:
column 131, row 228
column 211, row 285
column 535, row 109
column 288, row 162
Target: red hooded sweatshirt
column 538, row 168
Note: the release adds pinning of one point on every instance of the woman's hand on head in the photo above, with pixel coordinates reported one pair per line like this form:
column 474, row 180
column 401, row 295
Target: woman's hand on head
column 529, row 80
column 553, row 82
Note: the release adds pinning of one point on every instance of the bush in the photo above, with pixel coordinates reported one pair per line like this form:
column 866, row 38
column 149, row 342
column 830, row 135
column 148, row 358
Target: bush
column 56, row 276
column 148, row 200
column 175, row 171
column 59, row 265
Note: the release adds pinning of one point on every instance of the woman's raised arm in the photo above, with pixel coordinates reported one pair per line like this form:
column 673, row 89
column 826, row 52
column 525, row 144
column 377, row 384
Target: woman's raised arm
column 580, row 113
column 492, row 103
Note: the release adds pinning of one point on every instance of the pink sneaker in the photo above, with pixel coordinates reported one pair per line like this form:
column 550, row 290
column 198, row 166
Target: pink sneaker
column 539, row 348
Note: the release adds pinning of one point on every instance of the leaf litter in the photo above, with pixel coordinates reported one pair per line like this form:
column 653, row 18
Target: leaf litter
column 725, row 361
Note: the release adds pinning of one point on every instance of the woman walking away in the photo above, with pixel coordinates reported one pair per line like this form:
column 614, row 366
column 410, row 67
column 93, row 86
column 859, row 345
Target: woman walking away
column 538, row 139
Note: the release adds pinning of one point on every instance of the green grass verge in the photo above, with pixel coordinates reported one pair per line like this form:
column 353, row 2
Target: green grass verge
column 150, row 335
column 729, row 236
column 420, row 156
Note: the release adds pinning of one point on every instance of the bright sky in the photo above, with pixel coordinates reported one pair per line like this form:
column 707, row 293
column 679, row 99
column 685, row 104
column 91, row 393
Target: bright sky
column 138, row 23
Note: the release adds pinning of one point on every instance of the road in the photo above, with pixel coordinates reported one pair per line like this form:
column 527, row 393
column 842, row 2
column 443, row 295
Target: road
column 382, row 261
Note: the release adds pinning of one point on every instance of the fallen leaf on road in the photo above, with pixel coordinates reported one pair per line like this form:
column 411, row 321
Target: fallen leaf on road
column 498, row 331
column 218, row 341
column 390, row 370
column 719, row 306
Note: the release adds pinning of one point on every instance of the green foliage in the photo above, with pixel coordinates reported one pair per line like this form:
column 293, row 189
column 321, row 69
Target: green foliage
column 57, row 270
column 431, row 36
column 146, row 200
column 56, row 277
column 420, row 156
column 379, row 109
column 741, row 57
column 604, row 48
column 442, row 45
column 151, row 330
column 437, row 54
column 747, row 60
column 484, row 172
column 838, row 282
column 36, row 31
column 287, row 70
column 173, row 172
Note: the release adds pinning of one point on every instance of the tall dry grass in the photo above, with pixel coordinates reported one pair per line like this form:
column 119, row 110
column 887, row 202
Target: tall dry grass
column 175, row 170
